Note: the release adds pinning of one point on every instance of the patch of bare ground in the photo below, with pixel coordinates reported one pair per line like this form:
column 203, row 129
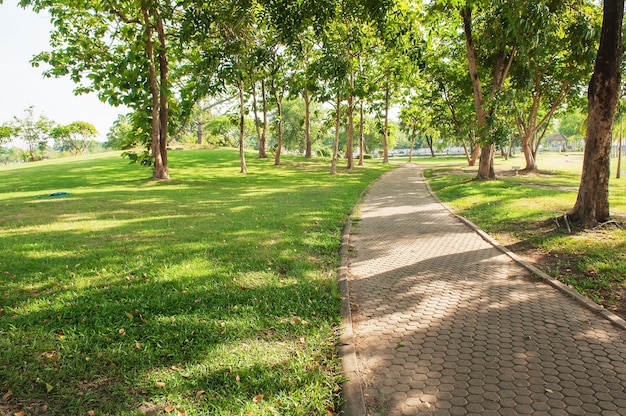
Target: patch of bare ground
column 564, row 266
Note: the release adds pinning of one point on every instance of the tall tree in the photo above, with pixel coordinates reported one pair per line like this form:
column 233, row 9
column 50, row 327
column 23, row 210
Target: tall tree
column 120, row 50
column 592, row 204
column 558, row 54
column 502, row 54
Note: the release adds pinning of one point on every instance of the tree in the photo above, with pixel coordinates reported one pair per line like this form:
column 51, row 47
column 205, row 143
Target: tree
column 34, row 133
column 557, row 56
column 74, row 137
column 502, row 55
column 6, row 133
column 120, row 50
column 121, row 134
column 592, row 203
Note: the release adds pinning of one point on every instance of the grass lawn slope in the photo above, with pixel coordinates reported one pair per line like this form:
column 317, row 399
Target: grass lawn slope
column 211, row 294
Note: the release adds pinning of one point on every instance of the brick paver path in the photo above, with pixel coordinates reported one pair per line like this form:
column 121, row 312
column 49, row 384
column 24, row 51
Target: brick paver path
column 445, row 324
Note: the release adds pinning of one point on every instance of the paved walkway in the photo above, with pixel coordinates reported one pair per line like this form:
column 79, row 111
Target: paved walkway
column 446, row 324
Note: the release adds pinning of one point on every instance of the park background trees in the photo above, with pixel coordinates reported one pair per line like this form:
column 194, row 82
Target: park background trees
column 478, row 75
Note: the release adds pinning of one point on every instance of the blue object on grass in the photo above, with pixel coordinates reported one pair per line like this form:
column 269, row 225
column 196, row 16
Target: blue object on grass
column 54, row 195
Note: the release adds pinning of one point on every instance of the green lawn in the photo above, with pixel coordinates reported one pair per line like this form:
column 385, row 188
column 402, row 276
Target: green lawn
column 214, row 293
column 520, row 211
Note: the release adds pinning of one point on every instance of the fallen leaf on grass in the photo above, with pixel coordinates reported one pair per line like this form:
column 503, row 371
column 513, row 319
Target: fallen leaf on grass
column 160, row 384
column 169, row 409
column 7, row 395
column 49, row 388
column 91, row 413
column 51, row 355
column 182, row 412
column 20, row 413
column 258, row 399
column 200, row 393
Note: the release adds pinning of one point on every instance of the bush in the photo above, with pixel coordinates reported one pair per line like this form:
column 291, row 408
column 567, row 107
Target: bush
column 368, row 156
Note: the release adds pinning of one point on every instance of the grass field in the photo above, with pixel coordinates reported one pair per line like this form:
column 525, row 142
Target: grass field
column 213, row 293
column 521, row 211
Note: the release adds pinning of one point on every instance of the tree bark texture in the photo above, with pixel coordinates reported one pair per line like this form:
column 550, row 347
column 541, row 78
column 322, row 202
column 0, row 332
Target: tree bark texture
column 592, row 204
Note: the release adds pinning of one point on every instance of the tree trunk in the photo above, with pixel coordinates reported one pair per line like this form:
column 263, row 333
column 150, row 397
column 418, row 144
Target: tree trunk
column 333, row 163
column 529, row 155
column 307, row 124
column 619, row 149
column 163, row 96
column 350, row 131
column 429, row 142
column 361, row 127
column 413, row 132
column 256, row 117
column 242, row 114
column 263, row 141
column 592, row 204
column 279, row 113
column 386, row 125
column 200, row 130
column 159, row 169
column 485, row 166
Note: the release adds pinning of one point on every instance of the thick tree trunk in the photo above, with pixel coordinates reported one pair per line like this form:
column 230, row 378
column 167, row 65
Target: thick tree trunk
column 333, row 163
column 529, row 155
column 485, row 166
column 307, row 124
column 263, row 141
column 361, row 127
column 242, row 115
column 619, row 149
column 592, row 204
column 159, row 169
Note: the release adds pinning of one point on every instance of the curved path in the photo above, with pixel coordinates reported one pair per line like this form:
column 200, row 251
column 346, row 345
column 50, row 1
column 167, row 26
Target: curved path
column 444, row 323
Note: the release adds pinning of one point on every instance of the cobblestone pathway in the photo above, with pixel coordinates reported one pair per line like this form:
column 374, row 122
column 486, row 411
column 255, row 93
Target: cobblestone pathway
column 446, row 324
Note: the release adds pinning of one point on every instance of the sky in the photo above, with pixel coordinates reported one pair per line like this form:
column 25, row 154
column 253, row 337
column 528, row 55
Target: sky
column 23, row 34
